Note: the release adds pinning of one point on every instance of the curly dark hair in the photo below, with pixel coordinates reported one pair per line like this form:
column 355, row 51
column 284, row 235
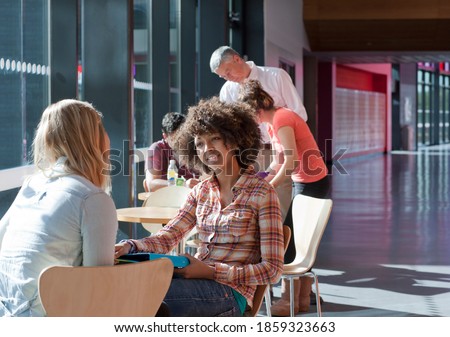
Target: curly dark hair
column 235, row 122
column 252, row 93
column 172, row 121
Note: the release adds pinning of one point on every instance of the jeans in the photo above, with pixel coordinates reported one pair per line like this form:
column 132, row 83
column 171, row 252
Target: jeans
column 200, row 298
column 319, row 189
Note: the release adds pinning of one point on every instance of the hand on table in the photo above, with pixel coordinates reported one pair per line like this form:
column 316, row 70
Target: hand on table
column 121, row 249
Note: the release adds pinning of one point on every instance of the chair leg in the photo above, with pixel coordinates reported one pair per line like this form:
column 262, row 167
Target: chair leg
column 181, row 247
column 291, row 296
column 268, row 300
column 318, row 304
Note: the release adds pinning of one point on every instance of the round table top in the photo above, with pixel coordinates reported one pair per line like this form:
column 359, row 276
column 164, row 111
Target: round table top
column 151, row 214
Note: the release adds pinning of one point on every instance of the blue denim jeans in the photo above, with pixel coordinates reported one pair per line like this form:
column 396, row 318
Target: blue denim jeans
column 200, row 298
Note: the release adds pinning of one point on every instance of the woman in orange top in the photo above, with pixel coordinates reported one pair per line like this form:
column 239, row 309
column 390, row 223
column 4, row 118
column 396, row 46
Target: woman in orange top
column 298, row 158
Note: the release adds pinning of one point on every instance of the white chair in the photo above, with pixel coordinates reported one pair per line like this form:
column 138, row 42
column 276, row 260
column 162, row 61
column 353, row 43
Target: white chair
column 128, row 290
column 170, row 196
column 310, row 217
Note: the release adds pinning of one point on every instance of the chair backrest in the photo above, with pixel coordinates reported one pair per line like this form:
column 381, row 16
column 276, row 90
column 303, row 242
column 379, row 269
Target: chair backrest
column 310, row 218
column 127, row 290
column 262, row 288
column 170, row 196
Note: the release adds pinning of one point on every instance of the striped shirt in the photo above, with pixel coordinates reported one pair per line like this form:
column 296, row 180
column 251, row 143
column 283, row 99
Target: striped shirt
column 243, row 241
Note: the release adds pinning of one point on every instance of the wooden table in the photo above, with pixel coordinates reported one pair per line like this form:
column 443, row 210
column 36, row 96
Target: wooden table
column 152, row 214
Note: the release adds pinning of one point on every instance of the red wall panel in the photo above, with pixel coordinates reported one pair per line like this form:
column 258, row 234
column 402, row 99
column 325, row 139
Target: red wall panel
column 351, row 78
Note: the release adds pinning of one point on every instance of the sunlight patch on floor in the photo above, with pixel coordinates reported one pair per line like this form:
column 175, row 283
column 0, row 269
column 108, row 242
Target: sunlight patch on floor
column 436, row 305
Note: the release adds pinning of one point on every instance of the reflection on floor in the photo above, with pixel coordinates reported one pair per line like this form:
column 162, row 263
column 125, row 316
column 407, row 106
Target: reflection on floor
column 386, row 250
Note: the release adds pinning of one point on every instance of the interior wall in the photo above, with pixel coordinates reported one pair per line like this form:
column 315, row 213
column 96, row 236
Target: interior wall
column 285, row 36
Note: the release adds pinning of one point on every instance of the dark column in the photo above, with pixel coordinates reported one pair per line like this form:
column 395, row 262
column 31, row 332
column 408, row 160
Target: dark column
column 106, row 60
column 63, row 45
column 236, row 21
column 396, row 132
column 187, row 53
column 213, row 32
column 310, row 66
column 325, row 108
column 253, row 30
column 160, row 59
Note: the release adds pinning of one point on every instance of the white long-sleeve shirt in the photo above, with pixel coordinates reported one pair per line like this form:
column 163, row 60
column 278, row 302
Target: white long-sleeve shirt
column 64, row 220
column 276, row 82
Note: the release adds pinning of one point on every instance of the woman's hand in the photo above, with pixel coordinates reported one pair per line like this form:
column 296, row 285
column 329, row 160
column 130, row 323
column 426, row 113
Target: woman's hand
column 195, row 269
column 121, row 249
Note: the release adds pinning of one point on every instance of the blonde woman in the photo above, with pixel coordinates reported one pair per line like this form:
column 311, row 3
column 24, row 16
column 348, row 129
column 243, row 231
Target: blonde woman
column 63, row 214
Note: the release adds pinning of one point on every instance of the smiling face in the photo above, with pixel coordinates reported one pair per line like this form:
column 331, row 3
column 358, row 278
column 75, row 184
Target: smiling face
column 212, row 151
column 219, row 134
column 234, row 70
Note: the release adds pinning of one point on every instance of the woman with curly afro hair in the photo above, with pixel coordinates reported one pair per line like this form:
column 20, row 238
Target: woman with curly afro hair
column 234, row 122
column 236, row 213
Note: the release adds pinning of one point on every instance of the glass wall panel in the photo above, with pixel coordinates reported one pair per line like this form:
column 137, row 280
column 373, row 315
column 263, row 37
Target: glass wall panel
column 444, row 108
column 142, row 73
column 143, row 69
column 175, row 100
column 425, row 106
column 419, row 107
column 441, row 111
column 24, row 81
column 24, row 73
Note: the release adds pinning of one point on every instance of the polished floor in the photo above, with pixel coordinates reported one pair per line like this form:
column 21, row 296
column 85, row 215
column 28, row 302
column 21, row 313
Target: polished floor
column 386, row 249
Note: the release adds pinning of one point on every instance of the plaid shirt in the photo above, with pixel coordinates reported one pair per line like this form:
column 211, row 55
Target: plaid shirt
column 243, row 241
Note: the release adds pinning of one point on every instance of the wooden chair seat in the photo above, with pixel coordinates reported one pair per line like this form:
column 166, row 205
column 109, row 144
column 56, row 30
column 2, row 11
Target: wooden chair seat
column 128, row 290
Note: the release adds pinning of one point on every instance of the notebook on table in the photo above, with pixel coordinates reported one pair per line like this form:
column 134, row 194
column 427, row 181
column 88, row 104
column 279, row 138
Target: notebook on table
column 178, row 261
